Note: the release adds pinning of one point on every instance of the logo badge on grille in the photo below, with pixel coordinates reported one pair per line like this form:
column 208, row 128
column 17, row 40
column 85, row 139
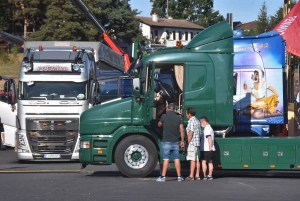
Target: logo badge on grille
column 52, row 127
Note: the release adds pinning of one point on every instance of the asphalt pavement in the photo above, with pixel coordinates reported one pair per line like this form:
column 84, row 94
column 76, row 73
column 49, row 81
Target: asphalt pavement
column 66, row 181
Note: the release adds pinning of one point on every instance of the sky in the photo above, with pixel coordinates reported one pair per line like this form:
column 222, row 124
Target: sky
column 242, row 10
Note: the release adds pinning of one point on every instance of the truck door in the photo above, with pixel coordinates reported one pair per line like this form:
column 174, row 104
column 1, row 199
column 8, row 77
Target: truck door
column 8, row 110
column 149, row 93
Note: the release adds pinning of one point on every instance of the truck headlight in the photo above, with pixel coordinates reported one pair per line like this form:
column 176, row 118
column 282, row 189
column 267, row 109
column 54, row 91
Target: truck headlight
column 77, row 147
column 27, row 66
column 22, row 145
column 84, row 144
column 76, row 67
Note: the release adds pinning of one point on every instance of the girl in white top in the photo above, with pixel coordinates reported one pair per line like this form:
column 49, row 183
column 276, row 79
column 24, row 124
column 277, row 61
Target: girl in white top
column 263, row 106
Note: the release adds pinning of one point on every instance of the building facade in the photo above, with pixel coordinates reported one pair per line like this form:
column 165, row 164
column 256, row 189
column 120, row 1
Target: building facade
column 164, row 32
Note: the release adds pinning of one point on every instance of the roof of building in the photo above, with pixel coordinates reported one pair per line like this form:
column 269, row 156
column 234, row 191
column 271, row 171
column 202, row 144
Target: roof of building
column 164, row 22
column 248, row 25
column 237, row 23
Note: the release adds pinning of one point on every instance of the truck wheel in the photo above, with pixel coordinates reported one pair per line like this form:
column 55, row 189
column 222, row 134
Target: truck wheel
column 136, row 156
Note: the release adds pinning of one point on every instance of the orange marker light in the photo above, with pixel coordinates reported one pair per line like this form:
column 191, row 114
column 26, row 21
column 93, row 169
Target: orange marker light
column 44, row 124
column 272, row 166
column 59, row 124
column 100, row 152
column 40, row 48
column 71, row 133
column 219, row 166
column 138, row 99
column 246, row 166
column 179, row 44
column 74, row 48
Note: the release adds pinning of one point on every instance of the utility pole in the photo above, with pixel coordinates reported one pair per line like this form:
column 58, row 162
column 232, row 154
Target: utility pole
column 167, row 8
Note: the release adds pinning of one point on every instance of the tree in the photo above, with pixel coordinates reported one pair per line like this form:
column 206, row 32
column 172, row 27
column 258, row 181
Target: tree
column 274, row 20
column 5, row 10
column 62, row 22
column 198, row 11
column 209, row 18
column 263, row 19
column 159, row 7
column 29, row 14
column 65, row 22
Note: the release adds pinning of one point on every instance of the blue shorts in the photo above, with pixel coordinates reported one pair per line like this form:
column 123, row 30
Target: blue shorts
column 169, row 148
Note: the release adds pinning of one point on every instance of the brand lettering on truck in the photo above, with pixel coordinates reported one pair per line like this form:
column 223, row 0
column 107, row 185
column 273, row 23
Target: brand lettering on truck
column 52, row 68
column 58, row 67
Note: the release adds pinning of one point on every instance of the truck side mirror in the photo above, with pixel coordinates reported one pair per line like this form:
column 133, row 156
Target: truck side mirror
column 136, row 86
column 10, row 91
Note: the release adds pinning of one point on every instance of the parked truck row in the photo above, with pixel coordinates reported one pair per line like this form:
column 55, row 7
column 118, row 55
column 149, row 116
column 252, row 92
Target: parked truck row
column 237, row 82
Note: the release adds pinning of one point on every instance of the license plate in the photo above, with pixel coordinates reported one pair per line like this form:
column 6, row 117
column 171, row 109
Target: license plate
column 51, row 155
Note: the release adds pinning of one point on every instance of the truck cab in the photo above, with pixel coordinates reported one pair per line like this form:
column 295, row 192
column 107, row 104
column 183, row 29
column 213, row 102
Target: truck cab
column 125, row 131
column 58, row 80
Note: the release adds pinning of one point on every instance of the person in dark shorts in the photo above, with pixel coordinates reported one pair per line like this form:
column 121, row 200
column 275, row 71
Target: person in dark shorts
column 207, row 148
column 172, row 124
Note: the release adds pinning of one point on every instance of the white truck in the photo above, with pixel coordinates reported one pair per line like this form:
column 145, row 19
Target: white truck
column 58, row 80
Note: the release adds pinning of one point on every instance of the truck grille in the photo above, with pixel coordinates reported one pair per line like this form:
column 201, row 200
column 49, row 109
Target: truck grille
column 57, row 136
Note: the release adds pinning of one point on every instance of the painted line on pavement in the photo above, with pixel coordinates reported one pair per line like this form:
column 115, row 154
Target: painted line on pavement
column 46, row 171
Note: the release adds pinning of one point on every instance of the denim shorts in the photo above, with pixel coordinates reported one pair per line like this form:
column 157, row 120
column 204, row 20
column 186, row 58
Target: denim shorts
column 170, row 148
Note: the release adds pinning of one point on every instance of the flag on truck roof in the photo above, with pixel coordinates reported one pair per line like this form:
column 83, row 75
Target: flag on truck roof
column 289, row 28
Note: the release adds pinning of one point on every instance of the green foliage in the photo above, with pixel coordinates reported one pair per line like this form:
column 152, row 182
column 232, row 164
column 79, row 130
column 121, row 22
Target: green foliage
column 65, row 22
column 159, row 7
column 251, row 32
column 28, row 12
column 15, row 53
column 263, row 19
column 4, row 56
column 5, row 8
column 62, row 23
column 198, row 11
column 274, row 20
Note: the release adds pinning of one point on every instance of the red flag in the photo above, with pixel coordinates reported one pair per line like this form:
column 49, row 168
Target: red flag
column 289, row 28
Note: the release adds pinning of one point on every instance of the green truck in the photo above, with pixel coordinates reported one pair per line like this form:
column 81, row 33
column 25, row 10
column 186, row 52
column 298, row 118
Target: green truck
column 125, row 131
column 200, row 75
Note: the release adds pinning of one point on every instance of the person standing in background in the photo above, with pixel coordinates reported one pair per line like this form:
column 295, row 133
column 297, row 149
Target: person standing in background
column 172, row 124
column 193, row 134
column 207, row 148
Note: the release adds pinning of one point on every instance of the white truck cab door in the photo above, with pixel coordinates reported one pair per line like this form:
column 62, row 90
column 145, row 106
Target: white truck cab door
column 8, row 110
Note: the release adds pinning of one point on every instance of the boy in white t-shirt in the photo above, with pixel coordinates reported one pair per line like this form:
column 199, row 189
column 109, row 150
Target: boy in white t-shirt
column 207, row 148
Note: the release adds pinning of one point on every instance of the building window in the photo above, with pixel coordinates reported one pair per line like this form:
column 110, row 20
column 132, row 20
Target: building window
column 192, row 35
column 156, row 37
column 186, row 36
column 174, row 35
column 167, row 35
column 179, row 35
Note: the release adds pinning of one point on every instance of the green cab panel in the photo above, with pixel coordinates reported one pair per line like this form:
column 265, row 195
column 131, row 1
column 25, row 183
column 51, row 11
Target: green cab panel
column 104, row 119
column 217, row 32
column 208, row 72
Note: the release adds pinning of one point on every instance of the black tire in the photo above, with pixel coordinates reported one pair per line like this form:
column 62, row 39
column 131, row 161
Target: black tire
column 145, row 148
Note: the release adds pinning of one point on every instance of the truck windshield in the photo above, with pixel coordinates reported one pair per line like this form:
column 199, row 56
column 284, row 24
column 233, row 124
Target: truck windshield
column 53, row 90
